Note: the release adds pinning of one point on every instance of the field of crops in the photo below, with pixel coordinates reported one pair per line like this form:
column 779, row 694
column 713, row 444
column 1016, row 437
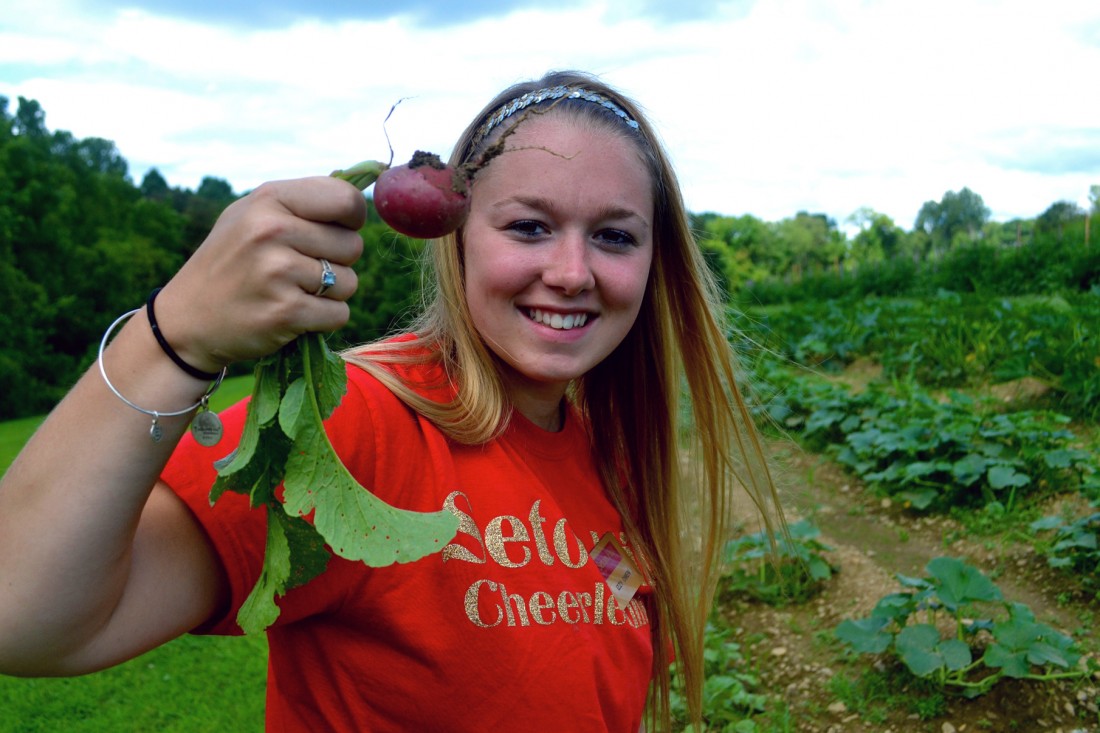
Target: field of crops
column 938, row 459
column 938, row 462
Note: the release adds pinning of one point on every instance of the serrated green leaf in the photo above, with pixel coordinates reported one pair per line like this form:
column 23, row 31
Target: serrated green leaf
column 294, row 554
column 356, row 524
column 294, row 449
column 308, row 555
column 259, row 609
column 266, row 394
column 328, row 372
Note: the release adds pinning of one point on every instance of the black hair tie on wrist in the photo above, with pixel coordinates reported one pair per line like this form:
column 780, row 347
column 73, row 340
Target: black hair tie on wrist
column 196, row 373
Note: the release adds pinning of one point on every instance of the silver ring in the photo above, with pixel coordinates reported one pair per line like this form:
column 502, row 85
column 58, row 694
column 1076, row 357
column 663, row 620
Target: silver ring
column 328, row 277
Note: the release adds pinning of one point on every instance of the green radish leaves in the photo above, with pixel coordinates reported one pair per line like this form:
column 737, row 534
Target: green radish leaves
column 284, row 442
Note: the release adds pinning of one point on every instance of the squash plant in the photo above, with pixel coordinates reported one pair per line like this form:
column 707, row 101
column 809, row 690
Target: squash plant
column 978, row 651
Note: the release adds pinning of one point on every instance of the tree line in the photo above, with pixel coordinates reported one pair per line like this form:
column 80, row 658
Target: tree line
column 952, row 245
column 81, row 243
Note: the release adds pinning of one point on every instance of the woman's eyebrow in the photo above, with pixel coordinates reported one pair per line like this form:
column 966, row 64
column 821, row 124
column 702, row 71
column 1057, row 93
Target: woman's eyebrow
column 540, row 203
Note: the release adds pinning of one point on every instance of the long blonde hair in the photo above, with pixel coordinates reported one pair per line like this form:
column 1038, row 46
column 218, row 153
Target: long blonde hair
column 667, row 392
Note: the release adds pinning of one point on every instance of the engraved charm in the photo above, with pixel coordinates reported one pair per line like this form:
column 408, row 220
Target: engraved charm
column 155, row 431
column 207, row 428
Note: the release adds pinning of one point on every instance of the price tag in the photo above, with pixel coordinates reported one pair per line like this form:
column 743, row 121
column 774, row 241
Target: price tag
column 616, row 568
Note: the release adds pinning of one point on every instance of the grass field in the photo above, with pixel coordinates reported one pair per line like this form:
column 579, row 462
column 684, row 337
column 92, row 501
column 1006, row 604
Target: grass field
column 191, row 684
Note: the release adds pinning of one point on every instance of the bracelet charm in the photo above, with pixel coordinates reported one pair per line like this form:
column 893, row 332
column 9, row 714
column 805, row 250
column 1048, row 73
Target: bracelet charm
column 209, row 424
column 206, row 426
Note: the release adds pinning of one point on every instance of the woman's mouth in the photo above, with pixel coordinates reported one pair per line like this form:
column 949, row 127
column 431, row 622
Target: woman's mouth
column 558, row 321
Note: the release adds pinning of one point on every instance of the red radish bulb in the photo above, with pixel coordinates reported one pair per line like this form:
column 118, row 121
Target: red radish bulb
column 424, row 198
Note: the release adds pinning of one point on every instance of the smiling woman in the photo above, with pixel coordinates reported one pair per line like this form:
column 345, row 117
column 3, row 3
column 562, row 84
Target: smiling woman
column 571, row 341
column 560, row 233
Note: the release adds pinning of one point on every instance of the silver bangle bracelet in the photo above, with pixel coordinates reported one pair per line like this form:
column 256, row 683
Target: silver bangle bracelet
column 206, row 426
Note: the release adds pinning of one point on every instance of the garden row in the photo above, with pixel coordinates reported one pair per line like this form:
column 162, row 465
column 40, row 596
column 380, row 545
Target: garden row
column 949, row 340
column 927, row 437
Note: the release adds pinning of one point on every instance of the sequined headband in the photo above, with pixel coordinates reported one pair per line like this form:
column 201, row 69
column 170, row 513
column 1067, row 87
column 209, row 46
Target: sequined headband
column 542, row 95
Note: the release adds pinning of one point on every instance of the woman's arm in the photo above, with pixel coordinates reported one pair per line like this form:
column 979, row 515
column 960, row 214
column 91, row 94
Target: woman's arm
column 98, row 560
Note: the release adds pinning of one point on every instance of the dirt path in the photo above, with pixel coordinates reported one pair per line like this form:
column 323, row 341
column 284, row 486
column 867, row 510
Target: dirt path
column 872, row 540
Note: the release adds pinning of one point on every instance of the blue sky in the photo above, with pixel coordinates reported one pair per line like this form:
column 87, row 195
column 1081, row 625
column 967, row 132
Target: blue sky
column 767, row 107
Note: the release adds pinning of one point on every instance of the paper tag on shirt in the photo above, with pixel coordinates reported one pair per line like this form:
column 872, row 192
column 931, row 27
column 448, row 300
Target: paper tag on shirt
column 618, row 571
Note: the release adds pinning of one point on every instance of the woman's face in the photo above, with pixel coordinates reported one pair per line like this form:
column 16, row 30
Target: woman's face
column 558, row 247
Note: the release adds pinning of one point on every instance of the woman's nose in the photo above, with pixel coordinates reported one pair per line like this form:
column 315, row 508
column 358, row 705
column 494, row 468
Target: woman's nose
column 568, row 268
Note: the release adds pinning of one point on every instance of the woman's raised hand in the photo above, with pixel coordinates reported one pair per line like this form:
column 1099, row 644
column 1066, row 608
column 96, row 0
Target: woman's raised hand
column 256, row 282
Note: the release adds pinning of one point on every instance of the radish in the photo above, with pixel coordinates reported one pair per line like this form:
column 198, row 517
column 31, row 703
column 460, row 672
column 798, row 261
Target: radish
column 425, row 198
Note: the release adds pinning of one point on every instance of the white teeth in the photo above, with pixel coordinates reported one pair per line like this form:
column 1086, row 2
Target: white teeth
column 557, row 320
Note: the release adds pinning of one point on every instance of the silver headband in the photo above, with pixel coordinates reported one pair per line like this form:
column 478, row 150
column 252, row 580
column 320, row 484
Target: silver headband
column 541, row 95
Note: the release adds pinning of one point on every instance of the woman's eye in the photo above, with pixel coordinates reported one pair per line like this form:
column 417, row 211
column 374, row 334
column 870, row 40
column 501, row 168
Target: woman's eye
column 527, row 228
column 615, row 237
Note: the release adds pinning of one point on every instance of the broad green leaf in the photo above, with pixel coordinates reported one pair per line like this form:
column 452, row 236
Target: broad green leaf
column 956, row 654
column 1002, row 476
column 295, row 450
column 1012, row 663
column 919, row 498
column 865, row 635
column 911, row 581
column 960, row 584
column 293, row 412
column 356, row 524
column 917, row 646
column 268, row 390
column 918, row 469
column 969, row 468
column 1052, row 522
column 819, row 569
column 804, row 530
column 1082, row 540
column 1042, row 653
column 1059, row 458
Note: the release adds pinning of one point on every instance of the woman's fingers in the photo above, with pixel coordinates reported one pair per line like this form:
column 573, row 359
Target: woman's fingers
column 258, row 281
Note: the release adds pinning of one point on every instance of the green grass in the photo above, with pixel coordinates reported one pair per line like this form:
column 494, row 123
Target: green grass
column 14, row 433
column 190, row 684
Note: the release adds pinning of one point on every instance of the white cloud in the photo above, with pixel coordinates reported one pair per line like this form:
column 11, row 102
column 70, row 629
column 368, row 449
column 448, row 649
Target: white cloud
column 791, row 105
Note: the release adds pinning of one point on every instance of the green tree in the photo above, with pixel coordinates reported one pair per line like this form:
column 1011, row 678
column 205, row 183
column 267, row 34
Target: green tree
column 878, row 239
column 956, row 215
column 153, row 186
column 1057, row 215
column 813, row 241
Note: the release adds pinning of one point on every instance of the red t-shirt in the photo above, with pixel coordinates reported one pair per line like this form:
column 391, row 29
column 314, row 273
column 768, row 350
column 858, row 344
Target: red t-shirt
column 510, row 627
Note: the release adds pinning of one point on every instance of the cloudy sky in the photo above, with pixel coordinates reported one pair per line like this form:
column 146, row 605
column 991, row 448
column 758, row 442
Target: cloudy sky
column 767, row 107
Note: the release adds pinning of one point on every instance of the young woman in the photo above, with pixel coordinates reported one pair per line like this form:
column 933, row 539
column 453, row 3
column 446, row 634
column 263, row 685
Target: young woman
column 569, row 378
